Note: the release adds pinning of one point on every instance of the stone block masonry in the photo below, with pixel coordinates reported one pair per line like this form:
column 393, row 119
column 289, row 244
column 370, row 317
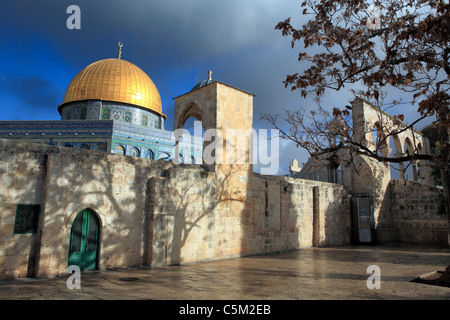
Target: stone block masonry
column 193, row 221
column 413, row 215
column 154, row 212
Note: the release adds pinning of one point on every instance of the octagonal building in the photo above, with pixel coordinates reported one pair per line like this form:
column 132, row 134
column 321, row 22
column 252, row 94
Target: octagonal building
column 111, row 106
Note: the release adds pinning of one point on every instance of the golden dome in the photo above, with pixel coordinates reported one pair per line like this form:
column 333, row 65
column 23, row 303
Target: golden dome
column 114, row 80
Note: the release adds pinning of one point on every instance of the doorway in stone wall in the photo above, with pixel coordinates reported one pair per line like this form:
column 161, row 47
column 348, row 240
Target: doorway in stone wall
column 84, row 235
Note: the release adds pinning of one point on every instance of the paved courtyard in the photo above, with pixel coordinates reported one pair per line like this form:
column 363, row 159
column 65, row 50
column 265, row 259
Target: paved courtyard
column 307, row 274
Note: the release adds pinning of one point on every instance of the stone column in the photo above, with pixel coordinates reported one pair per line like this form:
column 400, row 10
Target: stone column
column 401, row 166
column 316, row 217
column 414, row 169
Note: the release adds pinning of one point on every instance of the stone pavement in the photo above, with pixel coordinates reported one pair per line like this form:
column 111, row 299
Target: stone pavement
column 331, row 273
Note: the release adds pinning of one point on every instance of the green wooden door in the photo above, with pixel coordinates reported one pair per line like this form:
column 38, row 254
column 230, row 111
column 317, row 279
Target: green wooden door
column 83, row 245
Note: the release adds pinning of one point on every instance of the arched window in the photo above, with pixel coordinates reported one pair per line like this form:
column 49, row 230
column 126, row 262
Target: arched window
column 120, row 150
column 135, row 152
column 84, row 146
column 192, row 160
column 68, row 145
column 101, row 147
column 164, row 156
column 150, row 154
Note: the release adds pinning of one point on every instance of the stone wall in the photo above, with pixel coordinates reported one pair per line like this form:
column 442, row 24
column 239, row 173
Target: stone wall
column 22, row 175
column 195, row 220
column 410, row 214
column 65, row 181
column 157, row 213
column 154, row 212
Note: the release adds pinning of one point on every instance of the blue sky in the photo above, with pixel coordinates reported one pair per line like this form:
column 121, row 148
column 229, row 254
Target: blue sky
column 175, row 42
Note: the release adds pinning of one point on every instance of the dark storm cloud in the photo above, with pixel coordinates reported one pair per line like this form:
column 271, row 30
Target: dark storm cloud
column 166, row 38
column 33, row 91
column 194, row 29
column 171, row 34
column 176, row 42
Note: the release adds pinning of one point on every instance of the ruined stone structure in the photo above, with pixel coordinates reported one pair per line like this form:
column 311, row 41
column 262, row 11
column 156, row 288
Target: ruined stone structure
column 393, row 217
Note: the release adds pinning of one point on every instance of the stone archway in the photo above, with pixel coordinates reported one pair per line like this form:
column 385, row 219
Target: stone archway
column 190, row 110
column 184, row 116
column 396, row 169
column 410, row 150
column 198, row 105
column 220, row 108
column 379, row 138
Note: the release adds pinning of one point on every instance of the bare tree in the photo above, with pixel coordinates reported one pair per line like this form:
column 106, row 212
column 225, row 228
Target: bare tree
column 380, row 45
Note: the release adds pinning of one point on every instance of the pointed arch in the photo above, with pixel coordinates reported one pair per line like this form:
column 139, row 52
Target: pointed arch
column 411, row 168
column 69, row 219
column 84, row 240
column 190, row 110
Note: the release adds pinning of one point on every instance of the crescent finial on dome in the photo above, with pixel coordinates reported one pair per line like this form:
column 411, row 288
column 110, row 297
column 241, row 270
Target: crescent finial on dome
column 120, row 49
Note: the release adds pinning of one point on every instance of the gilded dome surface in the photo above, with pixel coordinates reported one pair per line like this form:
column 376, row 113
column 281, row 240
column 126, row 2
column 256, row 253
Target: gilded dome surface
column 114, row 80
